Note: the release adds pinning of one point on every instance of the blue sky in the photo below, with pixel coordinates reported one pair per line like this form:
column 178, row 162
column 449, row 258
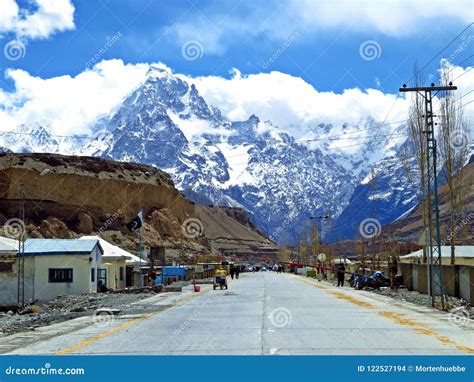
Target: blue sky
column 326, row 57
column 293, row 62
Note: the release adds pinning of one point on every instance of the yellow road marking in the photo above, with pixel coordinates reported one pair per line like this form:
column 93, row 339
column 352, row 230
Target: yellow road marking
column 97, row 337
column 119, row 328
column 343, row 296
column 422, row 329
column 339, row 295
column 399, row 318
column 465, row 349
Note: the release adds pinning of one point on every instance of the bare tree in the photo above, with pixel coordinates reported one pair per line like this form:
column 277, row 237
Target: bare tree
column 283, row 254
column 454, row 149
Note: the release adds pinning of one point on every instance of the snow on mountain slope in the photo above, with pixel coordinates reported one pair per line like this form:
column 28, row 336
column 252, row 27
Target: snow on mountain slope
column 252, row 164
column 386, row 193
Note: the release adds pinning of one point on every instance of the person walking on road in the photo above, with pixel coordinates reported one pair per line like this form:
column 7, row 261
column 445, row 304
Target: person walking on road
column 232, row 271
column 340, row 274
column 237, row 271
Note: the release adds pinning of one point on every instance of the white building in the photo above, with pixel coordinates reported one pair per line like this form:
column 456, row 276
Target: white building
column 52, row 267
column 55, row 267
column 120, row 268
column 8, row 271
column 464, row 255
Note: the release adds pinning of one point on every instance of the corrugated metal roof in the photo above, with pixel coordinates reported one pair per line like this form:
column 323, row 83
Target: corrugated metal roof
column 111, row 250
column 8, row 245
column 57, row 246
column 461, row 251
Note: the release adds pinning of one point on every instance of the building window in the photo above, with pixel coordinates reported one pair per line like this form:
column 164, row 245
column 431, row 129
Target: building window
column 92, row 275
column 60, row 275
column 122, row 273
column 6, row 267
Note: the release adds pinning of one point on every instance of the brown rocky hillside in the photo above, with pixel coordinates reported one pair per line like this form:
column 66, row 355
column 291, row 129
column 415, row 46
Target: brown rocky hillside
column 69, row 196
column 409, row 229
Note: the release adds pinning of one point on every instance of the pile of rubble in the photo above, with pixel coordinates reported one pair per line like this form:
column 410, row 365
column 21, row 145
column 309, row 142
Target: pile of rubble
column 415, row 297
column 65, row 308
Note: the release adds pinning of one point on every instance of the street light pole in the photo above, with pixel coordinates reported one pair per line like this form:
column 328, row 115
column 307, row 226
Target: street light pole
column 320, row 236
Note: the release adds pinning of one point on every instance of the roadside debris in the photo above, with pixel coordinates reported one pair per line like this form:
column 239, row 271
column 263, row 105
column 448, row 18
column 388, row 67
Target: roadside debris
column 415, row 297
column 64, row 308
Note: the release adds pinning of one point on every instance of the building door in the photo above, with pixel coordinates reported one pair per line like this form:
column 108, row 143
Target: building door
column 101, row 277
column 415, row 276
column 129, row 276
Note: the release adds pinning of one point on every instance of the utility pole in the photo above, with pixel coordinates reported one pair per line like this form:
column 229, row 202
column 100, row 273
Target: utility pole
column 374, row 237
column 21, row 251
column 320, row 236
column 320, row 229
column 435, row 280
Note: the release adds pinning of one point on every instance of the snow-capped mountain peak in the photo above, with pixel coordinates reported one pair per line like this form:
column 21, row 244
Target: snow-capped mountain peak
column 253, row 164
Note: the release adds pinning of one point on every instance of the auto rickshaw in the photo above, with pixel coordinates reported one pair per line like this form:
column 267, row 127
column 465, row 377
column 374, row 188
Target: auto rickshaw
column 220, row 279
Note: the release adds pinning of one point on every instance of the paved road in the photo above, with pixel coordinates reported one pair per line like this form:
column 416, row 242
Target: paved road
column 269, row 313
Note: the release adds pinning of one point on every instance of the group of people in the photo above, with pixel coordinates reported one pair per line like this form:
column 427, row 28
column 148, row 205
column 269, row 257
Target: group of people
column 234, row 271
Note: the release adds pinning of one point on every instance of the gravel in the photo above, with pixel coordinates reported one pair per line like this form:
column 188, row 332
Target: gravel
column 64, row 308
column 415, row 297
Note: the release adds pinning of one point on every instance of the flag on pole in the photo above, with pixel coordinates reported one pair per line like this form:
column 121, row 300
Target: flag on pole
column 136, row 222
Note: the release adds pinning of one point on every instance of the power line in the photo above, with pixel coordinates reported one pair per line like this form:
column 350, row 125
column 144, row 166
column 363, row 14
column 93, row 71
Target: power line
column 462, row 74
column 342, row 147
column 457, row 65
column 442, row 50
column 391, row 135
column 196, row 141
column 328, row 138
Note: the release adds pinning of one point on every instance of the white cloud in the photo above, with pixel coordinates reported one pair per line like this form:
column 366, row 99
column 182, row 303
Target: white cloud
column 280, row 19
column 463, row 78
column 396, row 18
column 72, row 104
column 292, row 103
column 50, row 16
